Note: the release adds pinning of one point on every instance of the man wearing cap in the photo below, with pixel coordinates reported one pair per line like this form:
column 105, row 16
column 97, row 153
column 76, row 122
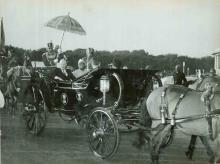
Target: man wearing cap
column 49, row 56
column 81, row 69
column 62, row 73
column 179, row 77
column 116, row 64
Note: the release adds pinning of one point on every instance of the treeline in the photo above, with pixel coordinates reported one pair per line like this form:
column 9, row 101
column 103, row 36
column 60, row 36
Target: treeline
column 137, row 59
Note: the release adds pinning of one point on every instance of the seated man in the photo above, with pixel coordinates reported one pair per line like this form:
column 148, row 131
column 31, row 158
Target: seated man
column 62, row 73
column 116, row 64
column 81, row 69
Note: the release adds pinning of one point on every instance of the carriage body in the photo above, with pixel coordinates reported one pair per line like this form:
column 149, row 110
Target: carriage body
column 126, row 88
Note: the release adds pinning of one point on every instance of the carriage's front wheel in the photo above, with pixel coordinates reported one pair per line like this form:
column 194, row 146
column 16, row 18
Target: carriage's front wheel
column 35, row 116
column 103, row 133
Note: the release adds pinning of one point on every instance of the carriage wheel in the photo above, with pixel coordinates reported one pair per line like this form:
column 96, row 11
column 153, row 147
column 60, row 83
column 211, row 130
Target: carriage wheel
column 103, row 133
column 35, row 117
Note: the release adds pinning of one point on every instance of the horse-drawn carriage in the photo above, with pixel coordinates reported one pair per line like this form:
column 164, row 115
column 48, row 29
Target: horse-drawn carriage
column 100, row 100
column 109, row 100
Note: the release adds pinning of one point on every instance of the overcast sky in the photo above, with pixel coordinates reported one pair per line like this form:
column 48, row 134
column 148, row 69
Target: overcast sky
column 186, row 27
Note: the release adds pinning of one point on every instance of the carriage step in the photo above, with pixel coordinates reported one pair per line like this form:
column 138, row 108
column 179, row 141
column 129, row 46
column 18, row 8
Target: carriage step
column 63, row 110
column 128, row 111
column 130, row 115
column 130, row 119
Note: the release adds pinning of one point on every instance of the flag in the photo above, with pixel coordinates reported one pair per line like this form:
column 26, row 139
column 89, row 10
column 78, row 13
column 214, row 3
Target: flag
column 2, row 35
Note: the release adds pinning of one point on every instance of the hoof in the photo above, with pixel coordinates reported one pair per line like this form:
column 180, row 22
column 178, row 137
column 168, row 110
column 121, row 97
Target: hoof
column 212, row 159
column 216, row 160
column 137, row 145
column 188, row 155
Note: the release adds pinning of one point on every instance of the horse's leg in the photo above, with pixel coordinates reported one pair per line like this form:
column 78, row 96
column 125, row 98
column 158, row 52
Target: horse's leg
column 6, row 103
column 144, row 121
column 217, row 158
column 9, row 105
column 191, row 148
column 14, row 106
column 156, row 142
column 208, row 148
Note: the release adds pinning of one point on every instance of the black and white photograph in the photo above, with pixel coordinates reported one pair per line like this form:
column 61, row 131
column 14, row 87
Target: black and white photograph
column 110, row 81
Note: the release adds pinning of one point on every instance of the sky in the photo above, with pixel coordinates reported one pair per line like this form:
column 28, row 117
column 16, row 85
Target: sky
column 185, row 27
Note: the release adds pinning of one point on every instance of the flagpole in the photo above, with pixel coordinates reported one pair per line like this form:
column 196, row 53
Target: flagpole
column 2, row 35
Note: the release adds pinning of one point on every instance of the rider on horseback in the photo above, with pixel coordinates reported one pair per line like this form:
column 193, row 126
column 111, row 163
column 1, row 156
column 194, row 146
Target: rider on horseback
column 179, row 77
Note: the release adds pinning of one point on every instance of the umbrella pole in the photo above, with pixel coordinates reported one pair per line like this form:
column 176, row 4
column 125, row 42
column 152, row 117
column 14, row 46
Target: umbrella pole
column 62, row 40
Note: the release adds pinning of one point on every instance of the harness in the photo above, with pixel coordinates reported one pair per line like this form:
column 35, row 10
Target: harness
column 209, row 114
column 164, row 107
column 173, row 118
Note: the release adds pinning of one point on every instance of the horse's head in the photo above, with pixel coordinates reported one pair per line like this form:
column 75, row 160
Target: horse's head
column 13, row 75
column 16, row 76
column 210, row 89
column 209, row 81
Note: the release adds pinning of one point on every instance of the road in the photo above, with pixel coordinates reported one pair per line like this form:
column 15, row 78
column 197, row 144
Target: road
column 64, row 143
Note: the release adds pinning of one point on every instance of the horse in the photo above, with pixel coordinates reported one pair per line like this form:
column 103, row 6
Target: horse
column 180, row 107
column 199, row 85
column 13, row 88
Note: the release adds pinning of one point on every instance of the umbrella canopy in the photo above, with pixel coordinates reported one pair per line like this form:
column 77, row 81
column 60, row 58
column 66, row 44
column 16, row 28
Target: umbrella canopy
column 66, row 24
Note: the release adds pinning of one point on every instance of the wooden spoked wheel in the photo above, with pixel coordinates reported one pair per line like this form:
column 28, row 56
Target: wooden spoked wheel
column 103, row 133
column 35, row 116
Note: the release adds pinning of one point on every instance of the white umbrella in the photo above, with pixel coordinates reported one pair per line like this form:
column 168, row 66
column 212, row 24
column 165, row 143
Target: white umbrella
column 66, row 24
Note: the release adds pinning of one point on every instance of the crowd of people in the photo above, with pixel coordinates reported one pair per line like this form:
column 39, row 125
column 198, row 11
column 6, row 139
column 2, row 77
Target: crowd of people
column 53, row 57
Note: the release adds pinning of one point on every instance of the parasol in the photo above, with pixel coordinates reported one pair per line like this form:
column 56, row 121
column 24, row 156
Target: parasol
column 66, row 24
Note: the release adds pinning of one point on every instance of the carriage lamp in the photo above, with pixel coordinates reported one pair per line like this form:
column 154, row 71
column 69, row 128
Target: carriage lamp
column 64, row 98
column 104, row 86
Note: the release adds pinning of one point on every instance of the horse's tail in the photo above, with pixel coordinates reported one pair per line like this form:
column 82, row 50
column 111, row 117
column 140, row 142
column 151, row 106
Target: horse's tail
column 145, row 119
column 145, row 123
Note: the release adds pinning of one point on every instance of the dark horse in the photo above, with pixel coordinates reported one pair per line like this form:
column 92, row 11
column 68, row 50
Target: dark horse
column 184, row 110
column 13, row 87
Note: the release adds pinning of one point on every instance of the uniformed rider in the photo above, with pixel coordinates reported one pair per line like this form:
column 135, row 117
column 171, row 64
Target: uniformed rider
column 179, row 77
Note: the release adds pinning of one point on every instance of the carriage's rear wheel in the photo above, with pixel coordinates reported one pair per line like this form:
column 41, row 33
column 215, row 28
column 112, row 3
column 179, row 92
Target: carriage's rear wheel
column 35, row 116
column 103, row 133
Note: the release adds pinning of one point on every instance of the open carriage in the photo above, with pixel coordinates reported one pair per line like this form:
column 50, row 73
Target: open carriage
column 105, row 100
